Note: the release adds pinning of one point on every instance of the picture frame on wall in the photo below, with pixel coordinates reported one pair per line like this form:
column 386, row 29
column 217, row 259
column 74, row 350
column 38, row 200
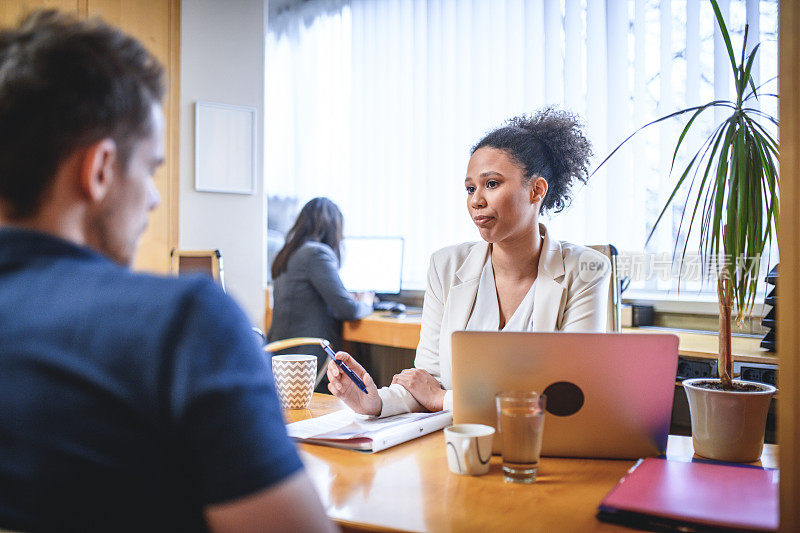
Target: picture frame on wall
column 225, row 148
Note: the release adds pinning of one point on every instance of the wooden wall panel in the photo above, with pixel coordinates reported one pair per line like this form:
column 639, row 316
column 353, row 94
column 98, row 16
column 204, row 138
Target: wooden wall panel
column 789, row 280
column 156, row 23
column 12, row 11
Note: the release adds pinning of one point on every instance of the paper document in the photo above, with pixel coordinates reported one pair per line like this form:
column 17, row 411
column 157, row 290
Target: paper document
column 346, row 429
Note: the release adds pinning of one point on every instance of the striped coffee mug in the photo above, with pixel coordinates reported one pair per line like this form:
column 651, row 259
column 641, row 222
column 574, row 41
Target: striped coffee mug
column 295, row 377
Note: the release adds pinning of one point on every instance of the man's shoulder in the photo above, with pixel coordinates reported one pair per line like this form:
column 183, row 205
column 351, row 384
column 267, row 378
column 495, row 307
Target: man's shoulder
column 147, row 298
column 175, row 316
column 159, row 288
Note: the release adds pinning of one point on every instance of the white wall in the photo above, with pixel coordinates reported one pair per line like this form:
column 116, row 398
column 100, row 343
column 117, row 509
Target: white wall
column 222, row 60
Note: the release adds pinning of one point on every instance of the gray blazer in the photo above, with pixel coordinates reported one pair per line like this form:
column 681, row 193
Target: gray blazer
column 309, row 300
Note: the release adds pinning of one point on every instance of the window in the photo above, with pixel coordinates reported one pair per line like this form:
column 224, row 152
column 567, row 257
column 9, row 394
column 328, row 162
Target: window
column 376, row 103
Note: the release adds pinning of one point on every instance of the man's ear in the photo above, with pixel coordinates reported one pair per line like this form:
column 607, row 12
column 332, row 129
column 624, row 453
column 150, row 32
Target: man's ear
column 538, row 189
column 97, row 169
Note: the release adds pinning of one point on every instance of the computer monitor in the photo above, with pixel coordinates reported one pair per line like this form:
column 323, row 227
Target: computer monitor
column 372, row 264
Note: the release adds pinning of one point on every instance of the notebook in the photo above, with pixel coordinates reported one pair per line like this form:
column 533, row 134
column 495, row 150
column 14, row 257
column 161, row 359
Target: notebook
column 346, row 429
column 609, row 395
column 694, row 496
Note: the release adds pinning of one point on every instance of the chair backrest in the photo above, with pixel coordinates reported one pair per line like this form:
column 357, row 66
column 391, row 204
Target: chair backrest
column 207, row 262
column 614, row 304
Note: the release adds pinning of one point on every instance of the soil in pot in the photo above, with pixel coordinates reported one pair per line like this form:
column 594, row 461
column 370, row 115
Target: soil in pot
column 737, row 387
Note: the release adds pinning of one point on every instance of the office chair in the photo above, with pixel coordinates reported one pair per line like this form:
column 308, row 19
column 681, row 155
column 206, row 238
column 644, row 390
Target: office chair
column 207, row 262
column 614, row 324
column 300, row 341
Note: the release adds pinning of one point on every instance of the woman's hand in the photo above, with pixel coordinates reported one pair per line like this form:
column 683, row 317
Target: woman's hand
column 343, row 387
column 367, row 297
column 423, row 387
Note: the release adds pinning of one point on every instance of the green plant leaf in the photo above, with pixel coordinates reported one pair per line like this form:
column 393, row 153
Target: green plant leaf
column 750, row 59
column 686, row 130
column 753, row 92
column 772, row 144
column 686, row 171
column 667, row 204
column 723, row 29
column 739, row 193
column 711, row 140
column 721, row 180
column 706, row 245
column 715, row 103
column 769, row 183
column 761, row 114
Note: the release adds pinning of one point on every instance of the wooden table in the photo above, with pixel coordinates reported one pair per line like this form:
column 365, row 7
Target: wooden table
column 402, row 331
column 385, row 329
column 409, row 488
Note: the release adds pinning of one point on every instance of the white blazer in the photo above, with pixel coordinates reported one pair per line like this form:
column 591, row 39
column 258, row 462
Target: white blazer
column 571, row 295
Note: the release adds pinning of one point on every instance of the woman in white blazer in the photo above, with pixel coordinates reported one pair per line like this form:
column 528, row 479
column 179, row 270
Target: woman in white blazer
column 518, row 279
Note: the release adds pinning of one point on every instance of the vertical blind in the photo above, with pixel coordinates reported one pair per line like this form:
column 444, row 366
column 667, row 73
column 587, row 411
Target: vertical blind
column 376, row 103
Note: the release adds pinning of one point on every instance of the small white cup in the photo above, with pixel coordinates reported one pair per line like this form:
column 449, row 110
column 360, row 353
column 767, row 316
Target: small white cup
column 295, row 377
column 469, row 448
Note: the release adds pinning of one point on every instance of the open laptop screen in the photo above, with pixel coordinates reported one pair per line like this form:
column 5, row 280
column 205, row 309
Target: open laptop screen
column 372, row 264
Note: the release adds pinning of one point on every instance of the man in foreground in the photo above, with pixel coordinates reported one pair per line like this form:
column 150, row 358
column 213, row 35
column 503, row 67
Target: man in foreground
column 127, row 401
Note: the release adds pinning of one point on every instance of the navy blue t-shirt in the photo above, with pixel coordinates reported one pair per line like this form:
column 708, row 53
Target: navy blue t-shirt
column 127, row 401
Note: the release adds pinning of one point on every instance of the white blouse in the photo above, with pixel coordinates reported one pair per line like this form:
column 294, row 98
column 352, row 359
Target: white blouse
column 485, row 315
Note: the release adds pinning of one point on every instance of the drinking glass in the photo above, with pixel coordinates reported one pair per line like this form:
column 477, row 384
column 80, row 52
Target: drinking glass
column 520, row 420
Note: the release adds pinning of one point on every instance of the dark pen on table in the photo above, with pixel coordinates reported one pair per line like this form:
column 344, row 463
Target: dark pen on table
column 346, row 369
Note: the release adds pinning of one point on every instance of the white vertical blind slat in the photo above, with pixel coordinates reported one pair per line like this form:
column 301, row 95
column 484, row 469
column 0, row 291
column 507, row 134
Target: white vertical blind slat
column 573, row 45
column 753, row 37
column 619, row 172
column 593, row 200
column 554, row 51
column 640, row 110
column 534, row 59
column 666, row 130
column 692, row 52
column 722, row 63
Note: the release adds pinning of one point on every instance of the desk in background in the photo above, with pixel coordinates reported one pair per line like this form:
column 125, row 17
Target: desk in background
column 409, row 488
column 385, row 329
column 403, row 332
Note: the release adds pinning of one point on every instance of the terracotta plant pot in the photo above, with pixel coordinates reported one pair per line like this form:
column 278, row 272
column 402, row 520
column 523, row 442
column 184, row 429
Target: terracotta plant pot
column 728, row 425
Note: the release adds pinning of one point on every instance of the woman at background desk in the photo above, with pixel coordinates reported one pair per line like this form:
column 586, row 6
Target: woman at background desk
column 520, row 278
column 309, row 299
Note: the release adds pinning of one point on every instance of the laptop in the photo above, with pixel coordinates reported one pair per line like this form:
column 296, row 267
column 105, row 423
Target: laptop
column 609, row 395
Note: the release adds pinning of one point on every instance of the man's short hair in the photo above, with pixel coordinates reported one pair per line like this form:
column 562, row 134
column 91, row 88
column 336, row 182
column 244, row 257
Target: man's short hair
column 66, row 84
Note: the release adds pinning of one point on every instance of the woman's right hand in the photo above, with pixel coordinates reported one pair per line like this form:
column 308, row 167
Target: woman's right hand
column 367, row 298
column 343, row 387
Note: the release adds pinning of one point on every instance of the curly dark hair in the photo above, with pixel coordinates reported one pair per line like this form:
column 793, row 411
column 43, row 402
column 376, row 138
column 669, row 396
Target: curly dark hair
column 548, row 144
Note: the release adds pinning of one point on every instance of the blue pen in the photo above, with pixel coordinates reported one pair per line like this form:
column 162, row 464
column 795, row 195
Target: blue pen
column 346, row 369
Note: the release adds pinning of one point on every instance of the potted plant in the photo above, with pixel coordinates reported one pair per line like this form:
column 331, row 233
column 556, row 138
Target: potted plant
column 738, row 189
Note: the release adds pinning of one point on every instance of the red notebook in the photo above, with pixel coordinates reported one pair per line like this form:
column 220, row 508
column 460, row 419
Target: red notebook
column 659, row 494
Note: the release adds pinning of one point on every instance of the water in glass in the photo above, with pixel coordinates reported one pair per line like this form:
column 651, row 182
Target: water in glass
column 521, row 420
